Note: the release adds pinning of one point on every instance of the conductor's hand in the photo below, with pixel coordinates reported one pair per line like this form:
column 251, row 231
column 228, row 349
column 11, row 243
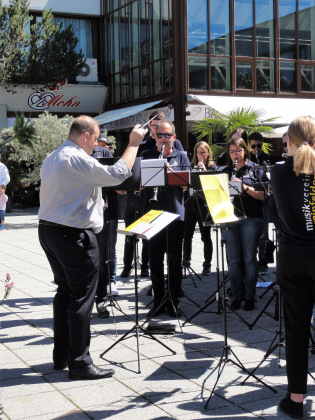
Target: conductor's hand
column 137, row 135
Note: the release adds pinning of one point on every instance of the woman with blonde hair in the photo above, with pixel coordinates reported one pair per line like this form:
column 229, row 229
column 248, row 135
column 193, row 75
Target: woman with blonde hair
column 201, row 161
column 293, row 187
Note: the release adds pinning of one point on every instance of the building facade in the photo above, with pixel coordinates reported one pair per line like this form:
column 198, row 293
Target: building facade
column 189, row 57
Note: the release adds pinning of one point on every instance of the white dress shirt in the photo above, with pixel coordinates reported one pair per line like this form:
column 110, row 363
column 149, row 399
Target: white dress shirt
column 4, row 174
column 71, row 181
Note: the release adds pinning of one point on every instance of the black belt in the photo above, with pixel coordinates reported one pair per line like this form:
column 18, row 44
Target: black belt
column 46, row 222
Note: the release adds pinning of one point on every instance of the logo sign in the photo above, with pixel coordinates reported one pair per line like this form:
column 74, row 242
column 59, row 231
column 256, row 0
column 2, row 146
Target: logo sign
column 40, row 101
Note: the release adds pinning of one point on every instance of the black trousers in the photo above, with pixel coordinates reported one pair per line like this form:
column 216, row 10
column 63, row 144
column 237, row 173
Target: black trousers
column 74, row 259
column 171, row 238
column 296, row 275
column 192, row 216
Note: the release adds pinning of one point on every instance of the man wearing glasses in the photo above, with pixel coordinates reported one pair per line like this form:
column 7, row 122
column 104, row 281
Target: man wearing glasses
column 171, row 199
column 257, row 155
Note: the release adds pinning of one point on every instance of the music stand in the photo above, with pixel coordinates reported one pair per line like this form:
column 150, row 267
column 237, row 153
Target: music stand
column 137, row 328
column 227, row 350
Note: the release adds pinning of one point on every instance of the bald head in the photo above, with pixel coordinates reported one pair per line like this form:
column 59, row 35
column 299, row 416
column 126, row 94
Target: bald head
column 84, row 131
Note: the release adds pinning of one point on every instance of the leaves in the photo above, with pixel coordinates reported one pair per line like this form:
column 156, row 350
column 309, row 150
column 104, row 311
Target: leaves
column 247, row 118
column 33, row 51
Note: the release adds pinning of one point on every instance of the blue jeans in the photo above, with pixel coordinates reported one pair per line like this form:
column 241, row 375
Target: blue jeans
column 242, row 239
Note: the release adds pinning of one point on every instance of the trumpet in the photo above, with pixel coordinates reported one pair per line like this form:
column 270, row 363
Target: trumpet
column 154, row 199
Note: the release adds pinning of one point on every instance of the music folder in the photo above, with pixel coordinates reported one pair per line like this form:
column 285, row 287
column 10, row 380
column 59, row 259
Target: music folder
column 150, row 224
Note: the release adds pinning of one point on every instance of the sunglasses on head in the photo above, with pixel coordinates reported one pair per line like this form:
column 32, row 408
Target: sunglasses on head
column 165, row 135
column 259, row 146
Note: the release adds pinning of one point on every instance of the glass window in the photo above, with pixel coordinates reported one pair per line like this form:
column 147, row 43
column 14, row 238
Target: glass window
column 144, row 82
column 166, row 74
column 197, row 26
column 287, row 77
column 198, row 73
column 287, row 15
column 115, row 42
column 155, row 78
column 244, row 21
column 264, row 28
column 220, row 74
column 308, row 78
column 134, row 37
column 244, row 77
column 83, row 30
column 307, row 29
column 135, row 90
column 219, row 27
column 265, row 76
column 155, row 44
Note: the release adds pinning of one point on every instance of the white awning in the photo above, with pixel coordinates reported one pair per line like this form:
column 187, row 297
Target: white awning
column 285, row 108
column 118, row 114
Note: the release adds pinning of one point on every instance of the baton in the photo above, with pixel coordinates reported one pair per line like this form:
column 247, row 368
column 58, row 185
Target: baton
column 144, row 125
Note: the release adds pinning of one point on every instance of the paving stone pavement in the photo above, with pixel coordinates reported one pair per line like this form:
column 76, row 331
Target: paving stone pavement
column 169, row 386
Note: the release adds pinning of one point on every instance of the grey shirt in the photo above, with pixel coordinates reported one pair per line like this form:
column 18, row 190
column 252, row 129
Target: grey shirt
column 71, row 182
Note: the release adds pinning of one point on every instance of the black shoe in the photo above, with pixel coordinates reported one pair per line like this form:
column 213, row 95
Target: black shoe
column 156, row 311
column 291, row 408
column 126, row 272
column 90, row 372
column 249, row 305
column 174, row 312
column 60, row 365
column 206, row 271
column 144, row 272
column 102, row 311
column 236, row 304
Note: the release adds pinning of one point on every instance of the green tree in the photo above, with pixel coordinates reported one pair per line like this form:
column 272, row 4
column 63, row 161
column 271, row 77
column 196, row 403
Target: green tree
column 39, row 53
column 14, row 41
column 247, row 118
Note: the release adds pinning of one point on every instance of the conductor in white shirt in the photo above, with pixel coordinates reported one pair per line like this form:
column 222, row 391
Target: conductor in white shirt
column 70, row 215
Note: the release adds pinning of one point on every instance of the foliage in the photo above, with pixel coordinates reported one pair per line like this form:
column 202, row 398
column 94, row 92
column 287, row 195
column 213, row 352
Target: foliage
column 247, row 118
column 35, row 52
column 23, row 163
column 14, row 41
column 23, row 131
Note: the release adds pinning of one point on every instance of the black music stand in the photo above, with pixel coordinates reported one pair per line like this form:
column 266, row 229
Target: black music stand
column 227, row 350
column 137, row 328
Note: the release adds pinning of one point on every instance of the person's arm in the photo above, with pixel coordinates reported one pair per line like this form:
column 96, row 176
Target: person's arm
column 258, row 195
column 135, row 138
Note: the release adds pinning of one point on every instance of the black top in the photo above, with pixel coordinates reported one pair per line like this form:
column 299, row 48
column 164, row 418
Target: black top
column 263, row 158
column 295, row 200
column 110, row 197
column 245, row 204
column 170, row 198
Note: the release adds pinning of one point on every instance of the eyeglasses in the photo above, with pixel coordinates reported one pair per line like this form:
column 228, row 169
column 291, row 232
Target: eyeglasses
column 285, row 144
column 259, row 146
column 165, row 135
column 202, row 153
column 153, row 125
column 232, row 152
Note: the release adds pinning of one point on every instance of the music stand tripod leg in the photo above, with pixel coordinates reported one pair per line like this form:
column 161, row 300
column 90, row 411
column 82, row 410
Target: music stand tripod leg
column 224, row 359
column 136, row 327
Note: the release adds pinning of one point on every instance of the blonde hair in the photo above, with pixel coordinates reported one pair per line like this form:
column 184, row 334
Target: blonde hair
column 205, row 146
column 301, row 133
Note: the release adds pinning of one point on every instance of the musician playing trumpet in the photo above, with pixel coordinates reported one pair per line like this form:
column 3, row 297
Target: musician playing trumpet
column 171, row 199
column 202, row 161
